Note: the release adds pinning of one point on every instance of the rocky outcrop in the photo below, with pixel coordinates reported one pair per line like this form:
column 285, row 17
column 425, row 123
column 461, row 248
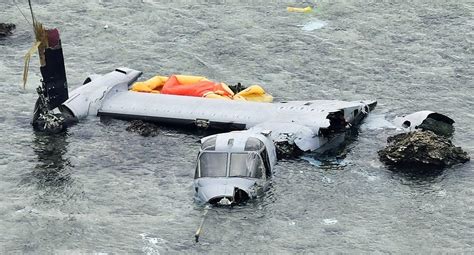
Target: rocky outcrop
column 6, row 29
column 143, row 128
column 422, row 148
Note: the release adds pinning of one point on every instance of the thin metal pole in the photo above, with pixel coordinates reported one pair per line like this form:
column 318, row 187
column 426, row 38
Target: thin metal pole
column 32, row 15
column 199, row 230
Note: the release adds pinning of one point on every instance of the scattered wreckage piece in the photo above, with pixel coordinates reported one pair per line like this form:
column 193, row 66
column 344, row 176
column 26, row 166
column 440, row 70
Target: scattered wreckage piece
column 53, row 90
column 6, row 29
column 426, row 120
column 421, row 149
column 143, row 128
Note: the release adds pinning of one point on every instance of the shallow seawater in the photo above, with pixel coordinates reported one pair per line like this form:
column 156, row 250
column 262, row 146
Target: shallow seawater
column 101, row 189
column 313, row 25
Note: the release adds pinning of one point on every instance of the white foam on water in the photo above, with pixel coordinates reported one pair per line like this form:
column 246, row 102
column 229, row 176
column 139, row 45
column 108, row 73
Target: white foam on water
column 314, row 24
column 370, row 177
column 376, row 122
column 441, row 193
column 329, row 221
column 152, row 245
column 327, row 179
column 318, row 163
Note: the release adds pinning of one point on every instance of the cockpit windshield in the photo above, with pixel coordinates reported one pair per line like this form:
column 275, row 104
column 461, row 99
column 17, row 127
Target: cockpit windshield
column 213, row 164
column 245, row 164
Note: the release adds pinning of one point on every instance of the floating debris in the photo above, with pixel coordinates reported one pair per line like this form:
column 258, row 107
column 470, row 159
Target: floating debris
column 439, row 123
column 143, row 128
column 329, row 221
column 301, row 10
column 314, row 25
column 325, row 162
column 6, row 29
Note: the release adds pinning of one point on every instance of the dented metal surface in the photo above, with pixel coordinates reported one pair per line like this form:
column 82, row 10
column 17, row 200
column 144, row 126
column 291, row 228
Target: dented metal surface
column 307, row 124
column 411, row 121
column 88, row 99
column 426, row 120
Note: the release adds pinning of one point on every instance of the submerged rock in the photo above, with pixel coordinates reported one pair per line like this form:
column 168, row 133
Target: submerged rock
column 143, row 128
column 422, row 148
column 6, row 29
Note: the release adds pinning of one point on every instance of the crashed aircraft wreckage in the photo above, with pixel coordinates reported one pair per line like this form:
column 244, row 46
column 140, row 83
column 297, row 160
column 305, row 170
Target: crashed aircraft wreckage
column 231, row 167
column 307, row 125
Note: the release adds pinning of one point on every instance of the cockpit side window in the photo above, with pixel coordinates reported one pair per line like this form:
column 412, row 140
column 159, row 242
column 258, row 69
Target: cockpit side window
column 213, row 164
column 209, row 144
column 246, row 165
column 253, row 144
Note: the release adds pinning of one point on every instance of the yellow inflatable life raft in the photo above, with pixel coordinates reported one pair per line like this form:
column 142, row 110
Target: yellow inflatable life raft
column 254, row 93
column 298, row 9
column 152, row 85
column 188, row 85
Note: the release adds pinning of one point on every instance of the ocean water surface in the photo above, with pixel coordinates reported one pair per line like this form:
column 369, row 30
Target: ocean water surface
column 100, row 189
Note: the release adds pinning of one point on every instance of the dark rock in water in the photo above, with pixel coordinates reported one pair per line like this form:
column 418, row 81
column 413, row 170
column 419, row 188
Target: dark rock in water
column 421, row 148
column 143, row 128
column 6, row 29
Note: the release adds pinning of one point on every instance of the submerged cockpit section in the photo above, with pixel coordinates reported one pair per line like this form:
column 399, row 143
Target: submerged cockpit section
column 233, row 167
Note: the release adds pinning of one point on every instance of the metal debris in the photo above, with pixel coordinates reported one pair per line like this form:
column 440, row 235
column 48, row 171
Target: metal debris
column 6, row 29
column 143, row 128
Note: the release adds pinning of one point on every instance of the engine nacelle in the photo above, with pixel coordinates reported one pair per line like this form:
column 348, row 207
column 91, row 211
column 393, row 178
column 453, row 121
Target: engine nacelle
column 87, row 99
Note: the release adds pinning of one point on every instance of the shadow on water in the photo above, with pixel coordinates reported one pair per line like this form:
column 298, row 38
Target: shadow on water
column 417, row 174
column 331, row 155
column 18, row 37
column 52, row 172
